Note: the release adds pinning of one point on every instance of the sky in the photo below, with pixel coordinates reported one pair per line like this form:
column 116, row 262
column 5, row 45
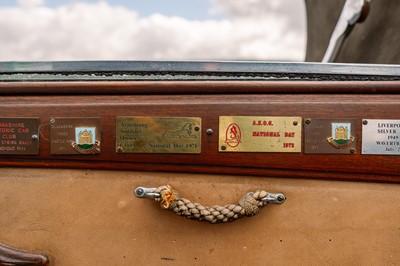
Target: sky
column 39, row 30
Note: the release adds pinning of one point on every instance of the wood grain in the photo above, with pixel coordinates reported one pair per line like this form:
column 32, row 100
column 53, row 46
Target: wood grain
column 209, row 108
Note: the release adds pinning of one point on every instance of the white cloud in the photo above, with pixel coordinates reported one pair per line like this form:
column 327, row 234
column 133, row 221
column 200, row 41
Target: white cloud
column 30, row 3
column 291, row 11
column 97, row 31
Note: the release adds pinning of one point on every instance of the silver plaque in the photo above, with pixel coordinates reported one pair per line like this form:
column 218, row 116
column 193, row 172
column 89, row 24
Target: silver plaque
column 381, row 137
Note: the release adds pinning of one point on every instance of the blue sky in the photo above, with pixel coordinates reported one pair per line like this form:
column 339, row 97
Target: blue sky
column 37, row 30
column 190, row 9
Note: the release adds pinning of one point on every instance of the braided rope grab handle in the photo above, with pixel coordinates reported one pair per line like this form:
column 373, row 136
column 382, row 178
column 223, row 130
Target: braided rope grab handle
column 249, row 205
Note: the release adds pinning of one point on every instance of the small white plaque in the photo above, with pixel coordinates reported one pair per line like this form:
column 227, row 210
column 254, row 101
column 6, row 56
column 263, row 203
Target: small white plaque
column 381, row 137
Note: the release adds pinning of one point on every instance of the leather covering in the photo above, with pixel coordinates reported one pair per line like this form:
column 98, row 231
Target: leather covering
column 80, row 217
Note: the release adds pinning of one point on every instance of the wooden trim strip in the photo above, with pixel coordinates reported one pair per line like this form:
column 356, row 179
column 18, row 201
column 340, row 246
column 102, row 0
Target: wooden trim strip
column 207, row 169
column 197, row 87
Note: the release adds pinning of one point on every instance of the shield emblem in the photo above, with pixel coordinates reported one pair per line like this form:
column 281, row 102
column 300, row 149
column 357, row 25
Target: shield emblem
column 85, row 140
column 341, row 135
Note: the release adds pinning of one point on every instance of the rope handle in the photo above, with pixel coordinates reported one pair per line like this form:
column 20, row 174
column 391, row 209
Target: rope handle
column 248, row 205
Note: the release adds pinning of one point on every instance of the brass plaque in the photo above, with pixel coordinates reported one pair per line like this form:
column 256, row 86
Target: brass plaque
column 381, row 137
column 75, row 135
column 146, row 134
column 259, row 134
column 329, row 136
column 19, row 136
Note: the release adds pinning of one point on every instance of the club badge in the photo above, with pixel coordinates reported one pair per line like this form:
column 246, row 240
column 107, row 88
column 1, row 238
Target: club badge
column 341, row 135
column 85, row 140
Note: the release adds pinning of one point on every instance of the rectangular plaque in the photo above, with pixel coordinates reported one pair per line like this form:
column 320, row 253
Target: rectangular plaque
column 146, row 134
column 381, row 137
column 75, row 135
column 259, row 134
column 329, row 136
column 19, row 136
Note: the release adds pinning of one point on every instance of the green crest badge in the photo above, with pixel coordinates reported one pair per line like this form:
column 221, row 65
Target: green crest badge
column 341, row 135
column 85, row 140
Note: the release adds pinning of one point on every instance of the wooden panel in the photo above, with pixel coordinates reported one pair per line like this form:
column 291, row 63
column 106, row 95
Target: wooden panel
column 209, row 108
column 92, row 218
column 200, row 87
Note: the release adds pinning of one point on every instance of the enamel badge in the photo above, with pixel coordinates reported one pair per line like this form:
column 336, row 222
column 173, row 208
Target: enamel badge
column 330, row 136
column 341, row 137
column 85, row 140
column 75, row 135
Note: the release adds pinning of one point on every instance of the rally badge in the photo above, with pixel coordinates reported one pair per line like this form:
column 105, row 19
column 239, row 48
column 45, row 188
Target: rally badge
column 85, row 140
column 341, row 135
column 233, row 135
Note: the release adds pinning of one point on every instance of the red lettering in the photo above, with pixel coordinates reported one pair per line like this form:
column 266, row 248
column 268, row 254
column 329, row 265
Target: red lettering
column 262, row 123
column 289, row 134
column 23, row 130
column 266, row 134
column 9, row 136
column 7, row 130
column 25, row 142
column 288, row 145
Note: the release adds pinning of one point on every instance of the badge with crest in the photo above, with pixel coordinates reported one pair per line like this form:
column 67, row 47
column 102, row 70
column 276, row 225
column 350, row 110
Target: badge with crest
column 85, row 140
column 341, row 135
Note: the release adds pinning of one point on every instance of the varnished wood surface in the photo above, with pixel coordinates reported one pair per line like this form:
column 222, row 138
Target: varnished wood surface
column 209, row 108
column 197, row 87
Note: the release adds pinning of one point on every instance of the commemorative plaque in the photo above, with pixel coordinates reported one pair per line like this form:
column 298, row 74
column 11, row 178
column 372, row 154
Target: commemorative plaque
column 381, row 137
column 329, row 136
column 19, row 136
column 146, row 134
column 75, row 135
column 259, row 134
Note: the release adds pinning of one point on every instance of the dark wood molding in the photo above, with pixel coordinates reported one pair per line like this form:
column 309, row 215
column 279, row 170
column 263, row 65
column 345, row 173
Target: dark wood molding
column 208, row 169
column 197, row 87
column 13, row 256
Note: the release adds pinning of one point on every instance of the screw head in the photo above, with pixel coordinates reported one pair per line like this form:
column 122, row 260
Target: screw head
column 119, row 149
column 35, row 137
column 223, row 148
column 281, row 198
column 52, row 121
column 196, row 128
column 295, row 123
column 209, row 131
column 352, row 151
column 365, row 122
column 139, row 192
column 307, row 121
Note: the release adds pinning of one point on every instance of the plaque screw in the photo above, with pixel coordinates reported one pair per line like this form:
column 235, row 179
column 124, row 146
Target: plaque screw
column 295, row 123
column 352, row 151
column 307, row 121
column 119, row 149
column 52, row 121
column 365, row 122
column 209, row 131
column 196, row 128
column 34, row 137
column 223, row 148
